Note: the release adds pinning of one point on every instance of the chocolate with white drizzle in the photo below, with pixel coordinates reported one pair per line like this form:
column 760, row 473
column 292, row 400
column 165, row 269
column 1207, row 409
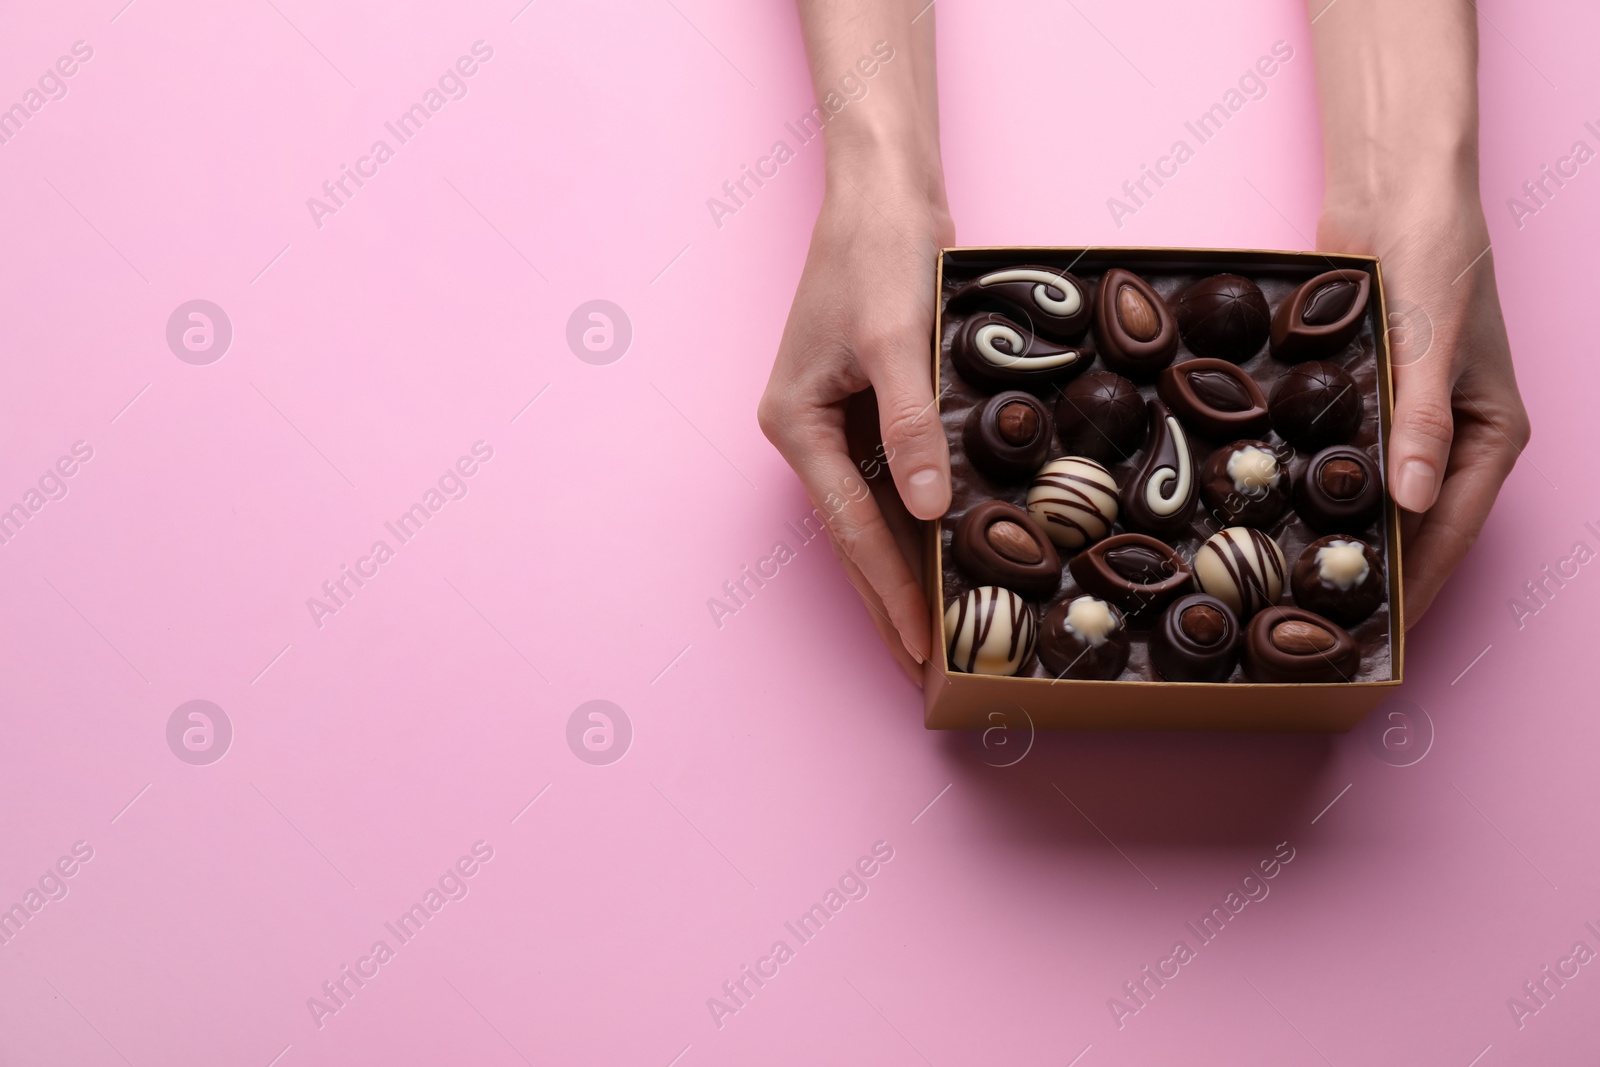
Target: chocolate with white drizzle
column 1241, row 567
column 1075, row 500
column 1159, row 499
column 993, row 351
column 1053, row 302
column 990, row 630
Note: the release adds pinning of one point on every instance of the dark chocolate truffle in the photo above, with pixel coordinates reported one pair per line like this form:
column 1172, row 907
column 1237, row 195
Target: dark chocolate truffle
column 992, row 352
column 1285, row 644
column 1224, row 317
column 1083, row 638
column 1316, row 404
column 1340, row 578
column 1245, row 484
column 1101, row 416
column 1340, row 490
column 996, row 543
column 1053, row 303
column 1321, row 316
column 1197, row 640
column 1008, row 436
column 1135, row 332
column 1161, row 496
column 1214, row 397
column 1131, row 570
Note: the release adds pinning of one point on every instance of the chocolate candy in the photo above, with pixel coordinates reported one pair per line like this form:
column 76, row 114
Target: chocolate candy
column 1285, row 644
column 1340, row 490
column 1074, row 500
column 1243, row 484
column 1197, row 640
column 1241, row 567
column 1224, row 317
column 997, row 544
column 1131, row 570
column 1340, row 578
column 1215, row 398
column 1101, row 416
column 1007, row 437
column 1053, row 303
column 990, row 630
column 993, row 352
column 1316, row 404
column 1084, row 638
column 1321, row 316
column 1161, row 496
column 1135, row 331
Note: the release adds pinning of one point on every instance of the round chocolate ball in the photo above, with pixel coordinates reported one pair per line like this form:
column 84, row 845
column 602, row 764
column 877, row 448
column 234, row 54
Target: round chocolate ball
column 1316, row 404
column 1245, row 484
column 1341, row 489
column 1339, row 578
column 1197, row 640
column 1007, row 437
column 1224, row 317
column 1101, row 416
column 1084, row 638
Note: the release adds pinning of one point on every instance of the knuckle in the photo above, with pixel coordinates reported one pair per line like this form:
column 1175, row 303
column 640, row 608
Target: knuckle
column 1430, row 420
column 907, row 424
column 1518, row 429
column 773, row 416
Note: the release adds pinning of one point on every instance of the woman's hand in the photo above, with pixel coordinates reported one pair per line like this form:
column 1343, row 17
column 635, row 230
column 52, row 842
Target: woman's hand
column 1459, row 424
column 863, row 319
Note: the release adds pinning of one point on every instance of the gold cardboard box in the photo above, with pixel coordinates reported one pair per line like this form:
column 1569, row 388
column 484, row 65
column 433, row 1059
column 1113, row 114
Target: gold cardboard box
column 953, row 700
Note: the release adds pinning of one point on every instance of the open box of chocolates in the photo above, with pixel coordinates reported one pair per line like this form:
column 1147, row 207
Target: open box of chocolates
column 1169, row 508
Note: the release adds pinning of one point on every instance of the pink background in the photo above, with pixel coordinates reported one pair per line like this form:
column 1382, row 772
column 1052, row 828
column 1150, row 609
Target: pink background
column 768, row 754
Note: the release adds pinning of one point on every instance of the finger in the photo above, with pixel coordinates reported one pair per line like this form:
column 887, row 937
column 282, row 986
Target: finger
column 880, row 618
column 814, row 445
column 1420, row 433
column 913, row 436
column 1448, row 531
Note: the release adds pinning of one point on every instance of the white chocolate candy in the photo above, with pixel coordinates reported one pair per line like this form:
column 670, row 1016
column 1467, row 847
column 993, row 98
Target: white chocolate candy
column 1241, row 567
column 1343, row 564
column 1091, row 619
column 1254, row 471
column 1068, row 305
column 1004, row 347
column 1075, row 500
column 991, row 631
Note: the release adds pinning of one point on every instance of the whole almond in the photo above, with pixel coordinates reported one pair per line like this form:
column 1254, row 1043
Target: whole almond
column 1301, row 638
column 1342, row 479
column 1014, row 543
column 1138, row 318
column 1018, row 423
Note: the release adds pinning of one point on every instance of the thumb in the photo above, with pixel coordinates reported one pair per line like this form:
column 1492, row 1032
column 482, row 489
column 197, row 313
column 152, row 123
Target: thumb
column 1419, row 439
column 913, row 437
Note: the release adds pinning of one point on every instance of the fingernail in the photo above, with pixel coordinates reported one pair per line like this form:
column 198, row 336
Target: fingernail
column 1414, row 489
column 927, row 495
column 918, row 656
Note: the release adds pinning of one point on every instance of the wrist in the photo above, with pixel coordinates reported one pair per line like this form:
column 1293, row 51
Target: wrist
column 880, row 160
column 1368, row 201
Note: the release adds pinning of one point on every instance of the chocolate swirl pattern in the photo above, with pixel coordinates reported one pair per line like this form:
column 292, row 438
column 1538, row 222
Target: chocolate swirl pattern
column 990, row 350
column 990, row 631
column 1243, row 568
column 1160, row 498
column 1075, row 500
column 1054, row 302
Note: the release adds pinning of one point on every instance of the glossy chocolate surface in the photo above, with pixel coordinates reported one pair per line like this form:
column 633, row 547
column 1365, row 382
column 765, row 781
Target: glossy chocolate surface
column 1101, row 416
column 1292, row 530
column 1161, row 497
column 1053, row 303
column 1316, row 404
column 1321, row 316
column 1224, row 316
column 1134, row 328
column 1084, row 638
column 1197, row 640
column 1288, row 644
column 1008, row 436
column 996, row 543
column 1245, row 484
column 1000, row 353
column 1340, row 578
column 1341, row 489
column 1215, row 398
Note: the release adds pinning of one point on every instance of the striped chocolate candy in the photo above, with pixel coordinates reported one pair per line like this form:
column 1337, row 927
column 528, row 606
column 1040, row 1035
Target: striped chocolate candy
column 1075, row 500
column 990, row 630
column 1242, row 567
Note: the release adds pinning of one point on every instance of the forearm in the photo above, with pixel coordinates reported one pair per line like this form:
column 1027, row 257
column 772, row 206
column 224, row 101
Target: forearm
column 875, row 66
column 1399, row 96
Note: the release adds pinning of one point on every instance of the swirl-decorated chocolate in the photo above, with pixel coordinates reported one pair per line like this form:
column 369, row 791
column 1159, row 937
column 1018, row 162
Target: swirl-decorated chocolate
column 990, row 630
column 1054, row 302
column 1242, row 567
column 1159, row 499
column 992, row 351
column 1075, row 500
